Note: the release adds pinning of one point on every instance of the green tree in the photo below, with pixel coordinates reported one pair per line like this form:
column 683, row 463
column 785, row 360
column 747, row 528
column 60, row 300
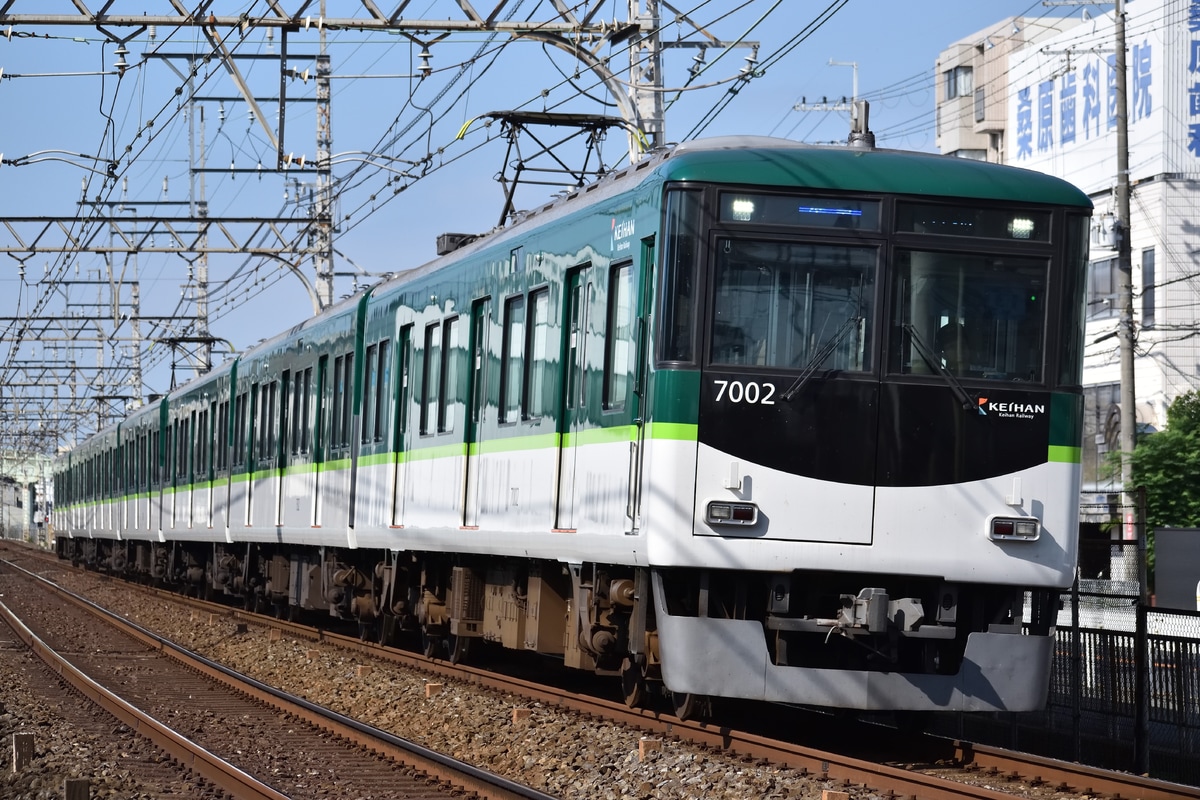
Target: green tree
column 1167, row 463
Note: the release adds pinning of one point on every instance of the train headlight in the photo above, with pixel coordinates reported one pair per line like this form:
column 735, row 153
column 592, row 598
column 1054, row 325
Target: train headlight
column 1021, row 529
column 731, row 513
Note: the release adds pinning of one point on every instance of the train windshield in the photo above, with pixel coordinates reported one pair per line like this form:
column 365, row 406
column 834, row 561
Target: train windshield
column 983, row 316
column 792, row 305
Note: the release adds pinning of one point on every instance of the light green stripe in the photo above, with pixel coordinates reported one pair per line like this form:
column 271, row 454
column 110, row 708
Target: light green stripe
column 1064, row 455
column 679, row 431
column 375, row 459
column 542, row 441
column 429, row 453
column 619, row 433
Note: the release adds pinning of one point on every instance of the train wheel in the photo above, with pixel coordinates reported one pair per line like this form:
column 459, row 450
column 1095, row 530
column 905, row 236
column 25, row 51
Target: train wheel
column 458, row 647
column 688, row 706
column 633, row 681
column 433, row 645
column 387, row 627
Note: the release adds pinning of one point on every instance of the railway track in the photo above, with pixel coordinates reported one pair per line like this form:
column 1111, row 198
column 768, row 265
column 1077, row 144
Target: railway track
column 248, row 739
column 925, row 768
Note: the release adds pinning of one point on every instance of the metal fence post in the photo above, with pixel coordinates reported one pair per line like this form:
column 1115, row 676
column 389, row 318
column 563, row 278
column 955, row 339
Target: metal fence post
column 1141, row 680
column 1076, row 670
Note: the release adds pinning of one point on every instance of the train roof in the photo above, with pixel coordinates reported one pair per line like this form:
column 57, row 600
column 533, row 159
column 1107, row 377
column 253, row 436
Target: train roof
column 782, row 162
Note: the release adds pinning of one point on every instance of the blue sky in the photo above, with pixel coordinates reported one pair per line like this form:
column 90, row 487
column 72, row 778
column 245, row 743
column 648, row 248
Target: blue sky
column 389, row 221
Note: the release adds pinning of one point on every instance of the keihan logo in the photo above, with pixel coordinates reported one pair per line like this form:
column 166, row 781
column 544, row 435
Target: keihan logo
column 621, row 232
column 1018, row 410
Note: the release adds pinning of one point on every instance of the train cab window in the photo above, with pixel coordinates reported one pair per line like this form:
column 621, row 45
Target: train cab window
column 976, row 316
column 677, row 293
column 512, row 357
column 618, row 342
column 793, row 305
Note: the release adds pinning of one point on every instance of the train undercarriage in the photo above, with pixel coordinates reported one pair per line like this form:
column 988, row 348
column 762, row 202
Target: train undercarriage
column 593, row 617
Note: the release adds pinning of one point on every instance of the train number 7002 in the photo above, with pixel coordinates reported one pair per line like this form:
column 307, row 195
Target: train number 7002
column 748, row 392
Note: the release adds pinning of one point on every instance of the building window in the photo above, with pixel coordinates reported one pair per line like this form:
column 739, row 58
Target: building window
column 960, row 82
column 1148, row 287
column 1103, row 279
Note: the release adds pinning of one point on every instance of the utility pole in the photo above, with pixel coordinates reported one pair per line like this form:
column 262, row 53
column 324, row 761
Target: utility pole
column 1125, row 276
column 645, row 77
column 322, row 228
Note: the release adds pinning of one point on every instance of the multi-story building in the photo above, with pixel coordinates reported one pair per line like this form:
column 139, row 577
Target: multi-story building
column 1042, row 94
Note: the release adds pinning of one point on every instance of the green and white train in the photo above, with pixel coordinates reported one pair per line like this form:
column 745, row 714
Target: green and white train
column 748, row 419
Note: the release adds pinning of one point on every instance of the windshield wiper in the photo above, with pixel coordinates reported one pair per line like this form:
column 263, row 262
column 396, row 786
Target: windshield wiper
column 818, row 358
column 937, row 366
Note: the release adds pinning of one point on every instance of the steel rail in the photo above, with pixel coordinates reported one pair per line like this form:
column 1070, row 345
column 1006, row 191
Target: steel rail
column 441, row 767
column 221, row 773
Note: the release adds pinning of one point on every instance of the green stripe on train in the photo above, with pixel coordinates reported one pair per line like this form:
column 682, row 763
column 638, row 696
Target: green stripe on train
column 1064, row 455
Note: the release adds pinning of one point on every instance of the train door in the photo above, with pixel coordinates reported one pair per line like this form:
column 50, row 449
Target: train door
column 637, row 392
column 285, row 448
column 573, row 405
column 320, row 439
column 252, row 436
column 476, row 400
column 400, row 421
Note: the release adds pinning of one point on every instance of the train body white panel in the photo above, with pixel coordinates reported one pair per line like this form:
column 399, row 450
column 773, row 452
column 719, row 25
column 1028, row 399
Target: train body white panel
column 433, row 492
column 935, row 530
column 515, row 489
column 789, row 507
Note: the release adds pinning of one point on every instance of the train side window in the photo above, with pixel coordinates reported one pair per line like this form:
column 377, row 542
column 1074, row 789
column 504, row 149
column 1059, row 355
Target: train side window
column 343, row 395
column 512, row 369
column 188, row 427
column 301, row 403
column 319, row 418
column 335, row 407
column 239, row 430
column 283, row 436
column 403, row 367
column 198, row 448
column 271, row 420
column 221, row 435
column 384, row 373
column 681, row 260
column 251, row 430
column 155, row 459
column 264, row 423
column 618, row 342
column 538, row 400
column 430, row 383
column 451, row 365
column 370, row 378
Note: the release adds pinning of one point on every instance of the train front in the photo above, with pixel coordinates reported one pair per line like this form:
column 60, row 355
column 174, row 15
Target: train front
column 887, row 433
